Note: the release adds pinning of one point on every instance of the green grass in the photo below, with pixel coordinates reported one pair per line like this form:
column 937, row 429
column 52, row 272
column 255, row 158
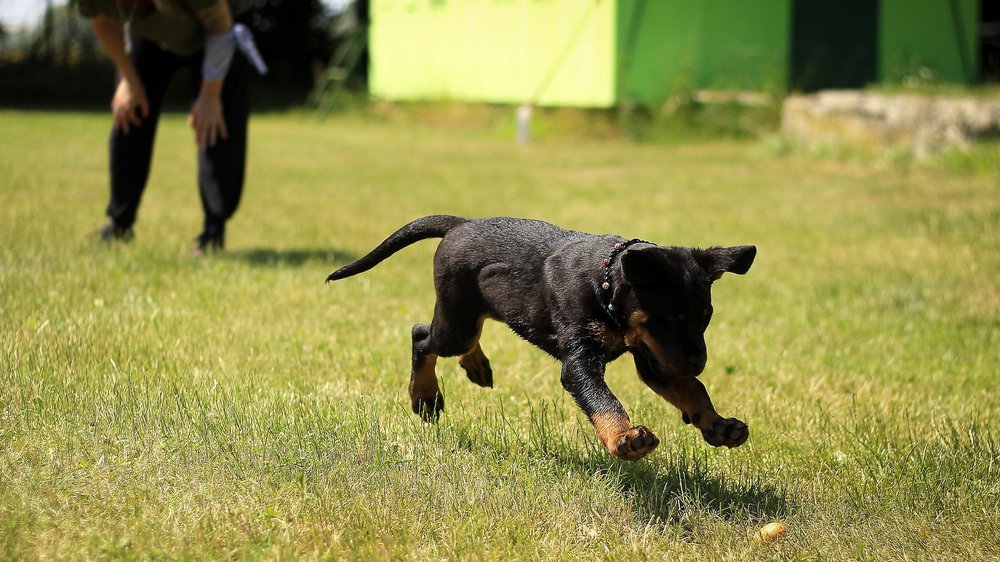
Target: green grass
column 153, row 405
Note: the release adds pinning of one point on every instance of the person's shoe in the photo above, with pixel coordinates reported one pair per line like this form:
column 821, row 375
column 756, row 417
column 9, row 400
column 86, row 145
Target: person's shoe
column 111, row 233
column 212, row 239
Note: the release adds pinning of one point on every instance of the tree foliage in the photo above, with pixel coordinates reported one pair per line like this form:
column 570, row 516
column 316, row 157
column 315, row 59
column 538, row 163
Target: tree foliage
column 52, row 66
column 295, row 38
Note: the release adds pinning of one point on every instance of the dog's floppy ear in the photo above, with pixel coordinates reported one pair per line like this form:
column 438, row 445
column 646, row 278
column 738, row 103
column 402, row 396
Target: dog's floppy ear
column 732, row 259
column 647, row 266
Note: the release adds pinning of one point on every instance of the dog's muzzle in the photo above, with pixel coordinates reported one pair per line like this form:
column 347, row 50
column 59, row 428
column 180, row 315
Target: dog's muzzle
column 677, row 366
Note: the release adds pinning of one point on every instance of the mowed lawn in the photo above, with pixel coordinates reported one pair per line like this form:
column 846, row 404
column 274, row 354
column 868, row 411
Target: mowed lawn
column 155, row 405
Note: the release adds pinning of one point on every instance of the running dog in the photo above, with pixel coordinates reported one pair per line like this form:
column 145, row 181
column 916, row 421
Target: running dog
column 582, row 298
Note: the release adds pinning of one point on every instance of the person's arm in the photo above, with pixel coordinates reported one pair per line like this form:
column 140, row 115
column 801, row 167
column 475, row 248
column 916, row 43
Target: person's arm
column 206, row 116
column 129, row 106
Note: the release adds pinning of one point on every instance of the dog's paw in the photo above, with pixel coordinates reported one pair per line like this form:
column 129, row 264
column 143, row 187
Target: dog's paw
column 635, row 443
column 428, row 408
column 730, row 432
column 477, row 368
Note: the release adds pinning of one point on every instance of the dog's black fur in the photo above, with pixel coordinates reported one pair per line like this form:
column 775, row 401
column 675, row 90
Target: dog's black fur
column 582, row 300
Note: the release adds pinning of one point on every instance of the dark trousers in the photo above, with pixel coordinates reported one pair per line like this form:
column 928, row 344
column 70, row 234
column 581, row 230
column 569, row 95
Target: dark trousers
column 220, row 168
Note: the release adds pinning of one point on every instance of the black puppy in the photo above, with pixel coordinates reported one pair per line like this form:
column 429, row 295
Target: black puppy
column 582, row 298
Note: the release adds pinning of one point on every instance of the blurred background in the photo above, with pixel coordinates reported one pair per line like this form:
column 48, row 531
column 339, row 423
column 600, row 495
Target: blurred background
column 50, row 57
column 632, row 55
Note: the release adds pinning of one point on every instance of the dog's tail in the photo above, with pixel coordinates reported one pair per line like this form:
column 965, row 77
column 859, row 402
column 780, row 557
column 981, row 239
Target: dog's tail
column 434, row 226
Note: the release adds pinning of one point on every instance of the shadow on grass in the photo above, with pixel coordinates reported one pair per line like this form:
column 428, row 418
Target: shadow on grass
column 683, row 486
column 676, row 485
column 293, row 257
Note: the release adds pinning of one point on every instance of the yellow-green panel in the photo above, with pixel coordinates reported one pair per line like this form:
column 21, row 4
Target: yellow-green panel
column 546, row 52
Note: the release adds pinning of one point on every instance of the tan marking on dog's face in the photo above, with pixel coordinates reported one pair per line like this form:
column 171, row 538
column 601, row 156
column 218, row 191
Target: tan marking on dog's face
column 638, row 338
column 638, row 333
column 636, row 324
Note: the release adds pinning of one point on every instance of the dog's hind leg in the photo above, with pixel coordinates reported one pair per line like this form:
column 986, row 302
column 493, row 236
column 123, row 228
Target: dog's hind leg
column 426, row 399
column 476, row 364
column 454, row 331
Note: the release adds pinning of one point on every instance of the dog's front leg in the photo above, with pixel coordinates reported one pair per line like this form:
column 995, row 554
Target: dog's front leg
column 689, row 396
column 583, row 378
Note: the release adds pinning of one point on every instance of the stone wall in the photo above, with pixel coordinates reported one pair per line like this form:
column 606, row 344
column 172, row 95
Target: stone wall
column 874, row 121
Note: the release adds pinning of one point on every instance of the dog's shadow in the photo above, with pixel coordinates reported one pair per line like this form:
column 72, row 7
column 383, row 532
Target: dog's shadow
column 673, row 491
column 671, row 487
column 292, row 257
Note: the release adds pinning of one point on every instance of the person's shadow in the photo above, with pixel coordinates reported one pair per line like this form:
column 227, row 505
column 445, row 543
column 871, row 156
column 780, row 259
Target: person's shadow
column 292, row 257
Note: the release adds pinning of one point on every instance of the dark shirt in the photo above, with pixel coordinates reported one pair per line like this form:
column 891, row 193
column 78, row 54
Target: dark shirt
column 173, row 24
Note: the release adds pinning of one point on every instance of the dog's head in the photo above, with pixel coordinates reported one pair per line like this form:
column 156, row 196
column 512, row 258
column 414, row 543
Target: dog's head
column 672, row 289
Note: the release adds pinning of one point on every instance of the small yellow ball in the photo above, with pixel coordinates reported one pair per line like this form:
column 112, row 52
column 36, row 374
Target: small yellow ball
column 770, row 532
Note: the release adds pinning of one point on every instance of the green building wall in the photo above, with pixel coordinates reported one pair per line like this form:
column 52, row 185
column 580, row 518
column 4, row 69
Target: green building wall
column 599, row 53
column 667, row 46
column 937, row 35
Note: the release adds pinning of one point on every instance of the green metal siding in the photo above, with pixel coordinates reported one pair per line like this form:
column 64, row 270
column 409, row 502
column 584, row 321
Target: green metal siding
column 547, row 52
column 658, row 48
column 745, row 44
column 939, row 35
column 598, row 53
column 667, row 46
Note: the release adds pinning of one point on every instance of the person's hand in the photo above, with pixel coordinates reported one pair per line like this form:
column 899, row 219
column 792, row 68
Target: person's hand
column 207, row 121
column 129, row 106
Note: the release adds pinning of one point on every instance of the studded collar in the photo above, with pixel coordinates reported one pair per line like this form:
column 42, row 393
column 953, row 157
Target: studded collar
column 605, row 293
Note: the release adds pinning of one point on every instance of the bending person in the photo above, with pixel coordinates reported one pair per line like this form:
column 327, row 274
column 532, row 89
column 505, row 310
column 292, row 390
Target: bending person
column 149, row 41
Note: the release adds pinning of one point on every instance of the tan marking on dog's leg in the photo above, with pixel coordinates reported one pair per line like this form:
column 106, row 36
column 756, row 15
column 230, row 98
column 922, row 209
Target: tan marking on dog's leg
column 474, row 350
column 473, row 356
column 609, row 427
column 425, row 394
column 689, row 396
column 611, row 340
column 476, row 364
column 621, row 438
